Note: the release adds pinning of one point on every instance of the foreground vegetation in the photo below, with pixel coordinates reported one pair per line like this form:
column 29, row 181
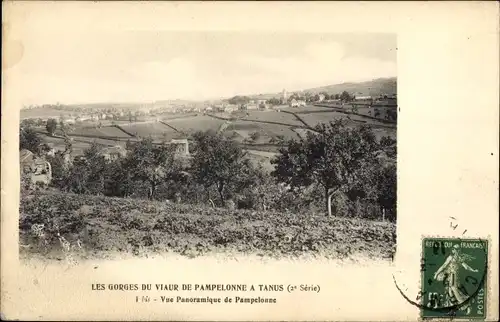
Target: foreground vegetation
column 96, row 225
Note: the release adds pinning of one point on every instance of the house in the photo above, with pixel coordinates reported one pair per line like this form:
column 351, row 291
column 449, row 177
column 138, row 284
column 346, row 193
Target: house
column 38, row 169
column 263, row 106
column 52, row 150
column 113, row 153
column 261, row 101
column 182, row 146
column 252, row 106
column 363, row 98
column 69, row 120
column 208, row 109
column 219, row 107
column 229, row 109
column 297, row 103
column 83, row 118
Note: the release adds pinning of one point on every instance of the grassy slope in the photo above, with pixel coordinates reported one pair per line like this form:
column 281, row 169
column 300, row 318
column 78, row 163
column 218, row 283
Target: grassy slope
column 124, row 225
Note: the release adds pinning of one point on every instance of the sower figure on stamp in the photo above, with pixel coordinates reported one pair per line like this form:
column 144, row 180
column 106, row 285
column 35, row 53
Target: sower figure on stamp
column 449, row 274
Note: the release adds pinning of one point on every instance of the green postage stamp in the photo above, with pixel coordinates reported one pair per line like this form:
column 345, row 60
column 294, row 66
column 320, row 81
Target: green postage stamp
column 454, row 277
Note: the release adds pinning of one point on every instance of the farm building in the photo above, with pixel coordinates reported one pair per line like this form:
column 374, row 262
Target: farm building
column 38, row 169
column 113, row 153
column 363, row 98
column 230, row 108
column 182, row 146
column 82, row 118
column 52, row 150
column 68, row 120
column 297, row 103
column 263, row 106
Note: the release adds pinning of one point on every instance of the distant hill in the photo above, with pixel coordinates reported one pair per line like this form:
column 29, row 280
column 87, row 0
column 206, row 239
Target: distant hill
column 374, row 88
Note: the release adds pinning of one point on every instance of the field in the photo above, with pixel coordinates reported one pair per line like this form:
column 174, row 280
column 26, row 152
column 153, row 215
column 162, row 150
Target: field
column 307, row 108
column 196, row 123
column 108, row 131
column 139, row 227
column 371, row 111
column 153, row 129
column 313, row 119
column 266, row 131
column 290, row 123
column 273, row 116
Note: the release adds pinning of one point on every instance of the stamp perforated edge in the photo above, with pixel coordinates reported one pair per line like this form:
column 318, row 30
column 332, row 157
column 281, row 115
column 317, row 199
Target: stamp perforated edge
column 487, row 276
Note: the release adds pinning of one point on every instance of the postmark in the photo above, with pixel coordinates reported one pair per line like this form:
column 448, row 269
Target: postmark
column 454, row 278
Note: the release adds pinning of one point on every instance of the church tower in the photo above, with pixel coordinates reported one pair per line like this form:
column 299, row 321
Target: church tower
column 284, row 97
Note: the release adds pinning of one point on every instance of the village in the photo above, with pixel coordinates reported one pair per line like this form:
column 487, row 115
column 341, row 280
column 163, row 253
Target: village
column 132, row 113
column 76, row 128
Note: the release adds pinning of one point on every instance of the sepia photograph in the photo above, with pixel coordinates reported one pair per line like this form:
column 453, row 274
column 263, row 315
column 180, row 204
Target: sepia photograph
column 148, row 143
column 241, row 161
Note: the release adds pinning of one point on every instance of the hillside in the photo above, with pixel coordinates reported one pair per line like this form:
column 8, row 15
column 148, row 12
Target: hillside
column 104, row 224
column 374, row 88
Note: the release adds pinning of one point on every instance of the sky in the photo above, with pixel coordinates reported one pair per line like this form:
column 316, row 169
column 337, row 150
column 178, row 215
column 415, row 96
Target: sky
column 137, row 66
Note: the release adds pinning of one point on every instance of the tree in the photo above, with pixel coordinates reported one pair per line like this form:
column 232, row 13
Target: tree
column 238, row 100
column 218, row 162
column 51, row 126
column 254, row 136
column 273, row 101
column 29, row 139
column 60, row 173
column 152, row 163
column 387, row 188
column 389, row 145
column 333, row 158
column 345, row 97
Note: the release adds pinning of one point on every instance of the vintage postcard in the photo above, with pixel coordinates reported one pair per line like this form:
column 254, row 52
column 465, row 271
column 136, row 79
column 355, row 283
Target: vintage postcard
column 249, row 161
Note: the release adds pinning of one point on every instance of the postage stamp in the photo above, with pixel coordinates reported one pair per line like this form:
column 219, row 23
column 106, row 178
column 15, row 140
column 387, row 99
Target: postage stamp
column 454, row 277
